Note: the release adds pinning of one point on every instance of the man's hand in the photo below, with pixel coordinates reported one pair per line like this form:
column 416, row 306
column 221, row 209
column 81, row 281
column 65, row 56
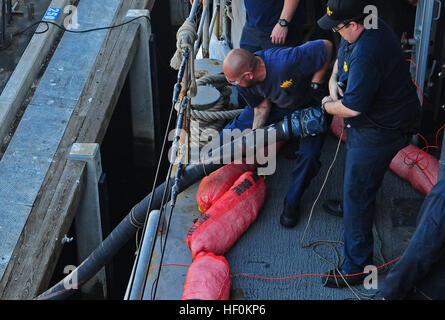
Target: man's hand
column 324, row 101
column 334, row 90
column 279, row 34
column 261, row 113
column 199, row 2
column 337, row 108
column 327, row 99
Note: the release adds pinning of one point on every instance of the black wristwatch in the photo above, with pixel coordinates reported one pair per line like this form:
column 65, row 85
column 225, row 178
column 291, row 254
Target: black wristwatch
column 315, row 85
column 283, row 22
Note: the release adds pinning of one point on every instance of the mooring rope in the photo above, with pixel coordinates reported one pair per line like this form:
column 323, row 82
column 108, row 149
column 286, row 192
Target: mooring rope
column 185, row 38
column 204, row 118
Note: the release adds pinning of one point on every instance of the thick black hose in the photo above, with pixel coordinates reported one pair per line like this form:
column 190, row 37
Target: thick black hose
column 300, row 124
column 122, row 233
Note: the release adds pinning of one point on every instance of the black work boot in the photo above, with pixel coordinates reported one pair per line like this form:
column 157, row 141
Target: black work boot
column 290, row 216
column 333, row 207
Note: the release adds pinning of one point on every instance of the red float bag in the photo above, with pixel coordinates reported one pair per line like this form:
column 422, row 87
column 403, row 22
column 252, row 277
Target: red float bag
column 337, row 126
column 229, row 217
column 417, row 167
column 213, row 186
column 208, row 278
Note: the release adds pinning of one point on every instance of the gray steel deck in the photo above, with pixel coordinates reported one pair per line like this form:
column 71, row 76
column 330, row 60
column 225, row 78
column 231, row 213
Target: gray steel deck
column 267, row 249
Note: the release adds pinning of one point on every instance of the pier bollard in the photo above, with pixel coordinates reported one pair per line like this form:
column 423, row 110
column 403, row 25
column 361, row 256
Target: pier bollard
column 145, row 120
column 88, row 218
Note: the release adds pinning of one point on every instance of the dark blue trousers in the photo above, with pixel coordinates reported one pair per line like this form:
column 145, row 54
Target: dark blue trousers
column 307, row 164
column 369, row 152
column 419, row 274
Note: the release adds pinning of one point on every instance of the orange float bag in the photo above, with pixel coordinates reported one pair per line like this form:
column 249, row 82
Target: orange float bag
column 213, row 186
column 417, row 167
column 208, row 278
column 229, row 217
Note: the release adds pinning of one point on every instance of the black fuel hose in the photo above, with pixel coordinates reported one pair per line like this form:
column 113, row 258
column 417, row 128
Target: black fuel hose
column 301, row 123
column 122, row 234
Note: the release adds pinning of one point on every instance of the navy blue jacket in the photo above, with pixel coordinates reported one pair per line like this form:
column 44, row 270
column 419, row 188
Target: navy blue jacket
column 379, row 83
column 289, row 71
column 423, row 263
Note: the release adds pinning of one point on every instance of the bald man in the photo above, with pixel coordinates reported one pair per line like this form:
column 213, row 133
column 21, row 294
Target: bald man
column 274, row 83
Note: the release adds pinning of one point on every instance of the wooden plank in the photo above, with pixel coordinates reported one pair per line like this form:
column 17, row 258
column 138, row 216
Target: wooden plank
column 27, row 70
column 31, row 152
column 95, row 108
column 107, row 86
column 96, row 124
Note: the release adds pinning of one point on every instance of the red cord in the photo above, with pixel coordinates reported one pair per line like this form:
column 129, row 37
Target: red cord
column 437, row 136
column 421, row 94
column 286, row 278
column 415, row 83
column 414, row 162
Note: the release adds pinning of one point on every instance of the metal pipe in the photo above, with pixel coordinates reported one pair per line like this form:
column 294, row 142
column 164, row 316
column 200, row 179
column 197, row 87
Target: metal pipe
column 225, row 21
column 193, row 11
column 217, row 19
column 214, row 16
column 205, row 31
column 422, row 35
column 145, row 252
column 200, row 27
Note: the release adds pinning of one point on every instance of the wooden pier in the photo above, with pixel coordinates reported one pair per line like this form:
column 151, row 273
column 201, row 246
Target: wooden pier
column 40, row 186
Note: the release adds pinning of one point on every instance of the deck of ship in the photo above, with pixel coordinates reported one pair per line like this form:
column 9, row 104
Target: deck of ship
column 267, row 249
column 67, row 87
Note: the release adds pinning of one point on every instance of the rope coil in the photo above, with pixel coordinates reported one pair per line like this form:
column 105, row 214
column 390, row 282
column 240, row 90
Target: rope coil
column 212, row 117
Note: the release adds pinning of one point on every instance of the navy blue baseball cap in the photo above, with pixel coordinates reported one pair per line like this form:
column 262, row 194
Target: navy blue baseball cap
column 338, row 11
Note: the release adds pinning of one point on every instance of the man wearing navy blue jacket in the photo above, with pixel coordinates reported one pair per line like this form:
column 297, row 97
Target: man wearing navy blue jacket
column 381, row 112
column 419, row 274
column 271, row 23
column 274, row 83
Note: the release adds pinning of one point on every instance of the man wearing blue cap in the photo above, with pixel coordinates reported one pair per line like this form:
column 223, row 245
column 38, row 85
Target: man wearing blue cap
column 381, row 112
